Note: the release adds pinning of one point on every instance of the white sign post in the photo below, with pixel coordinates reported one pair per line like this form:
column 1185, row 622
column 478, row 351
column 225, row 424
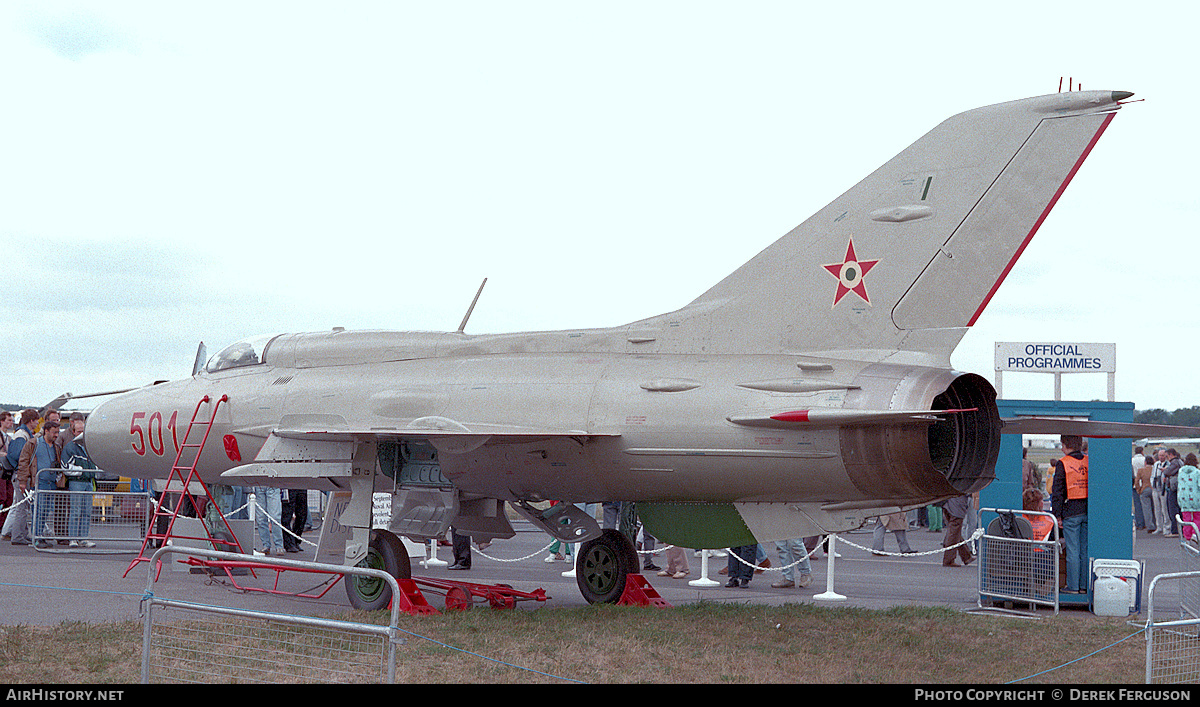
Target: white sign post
column 1057, row 358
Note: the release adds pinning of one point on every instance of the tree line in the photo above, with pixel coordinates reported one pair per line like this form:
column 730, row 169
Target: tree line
column 1185, row 417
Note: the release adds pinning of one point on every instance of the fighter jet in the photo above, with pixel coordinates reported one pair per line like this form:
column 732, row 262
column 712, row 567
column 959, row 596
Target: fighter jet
column 809, row 390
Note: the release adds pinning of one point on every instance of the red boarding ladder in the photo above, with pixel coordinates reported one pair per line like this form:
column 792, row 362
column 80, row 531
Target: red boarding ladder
column 177, row 475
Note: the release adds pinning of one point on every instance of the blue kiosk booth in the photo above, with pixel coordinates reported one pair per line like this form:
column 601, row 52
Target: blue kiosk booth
column 1109, row 476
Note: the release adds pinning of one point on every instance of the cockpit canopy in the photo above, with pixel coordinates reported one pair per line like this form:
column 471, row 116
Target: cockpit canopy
column 247, row 352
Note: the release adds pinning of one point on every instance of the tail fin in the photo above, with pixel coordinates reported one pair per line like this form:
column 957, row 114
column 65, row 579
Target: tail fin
column 908, row 258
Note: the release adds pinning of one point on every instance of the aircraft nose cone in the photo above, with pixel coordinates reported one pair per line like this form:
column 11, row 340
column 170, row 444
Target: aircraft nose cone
column 1121, row 95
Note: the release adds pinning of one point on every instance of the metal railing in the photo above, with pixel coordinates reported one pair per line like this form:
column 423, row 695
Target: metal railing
column 107, row 519
column 1018, row 569
column 189, row 642
column 1172, row 633
column 1189, row 586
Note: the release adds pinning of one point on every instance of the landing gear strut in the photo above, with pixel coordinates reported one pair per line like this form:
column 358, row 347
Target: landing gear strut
column 387, row 553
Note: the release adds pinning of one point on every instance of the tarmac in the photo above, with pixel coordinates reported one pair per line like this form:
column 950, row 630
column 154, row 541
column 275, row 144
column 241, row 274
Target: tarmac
column 48, row 587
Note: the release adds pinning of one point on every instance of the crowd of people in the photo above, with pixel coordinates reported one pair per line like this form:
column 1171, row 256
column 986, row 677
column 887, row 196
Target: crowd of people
column 38, row 451
column 1166, row 488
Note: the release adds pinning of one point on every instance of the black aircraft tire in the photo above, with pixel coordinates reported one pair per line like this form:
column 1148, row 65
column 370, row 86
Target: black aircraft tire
column 386, row 553
column 603, row 567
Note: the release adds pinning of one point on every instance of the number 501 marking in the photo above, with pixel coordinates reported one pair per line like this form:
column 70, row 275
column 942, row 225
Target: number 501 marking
column 151, row 434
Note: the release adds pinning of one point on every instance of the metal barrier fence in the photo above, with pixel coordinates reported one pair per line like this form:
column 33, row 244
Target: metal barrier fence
column 105, row 518
column 1172, row 634
column 1189, row 586
column 189, row 642
column 1017, row 568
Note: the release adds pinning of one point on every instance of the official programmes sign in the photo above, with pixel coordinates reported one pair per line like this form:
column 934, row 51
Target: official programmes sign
column 1056, row 357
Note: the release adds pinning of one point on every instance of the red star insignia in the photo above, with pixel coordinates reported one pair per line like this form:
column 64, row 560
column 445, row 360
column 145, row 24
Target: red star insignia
column 850, row 273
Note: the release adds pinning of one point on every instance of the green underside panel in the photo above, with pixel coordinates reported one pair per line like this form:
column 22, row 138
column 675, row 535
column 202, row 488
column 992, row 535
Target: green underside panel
column 696, row 525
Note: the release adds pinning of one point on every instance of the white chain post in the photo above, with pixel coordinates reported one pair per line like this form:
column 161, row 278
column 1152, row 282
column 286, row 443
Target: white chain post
column 704, row 581
column 432, row 560
column 570, row 574
column 829, row 594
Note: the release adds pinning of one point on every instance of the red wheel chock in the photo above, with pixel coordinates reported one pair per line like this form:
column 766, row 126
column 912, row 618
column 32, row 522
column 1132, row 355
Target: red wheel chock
column 638, row 592
column 412, row 601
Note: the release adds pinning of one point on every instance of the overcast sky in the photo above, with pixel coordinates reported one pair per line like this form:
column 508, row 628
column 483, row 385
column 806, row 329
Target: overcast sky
column 175, row 172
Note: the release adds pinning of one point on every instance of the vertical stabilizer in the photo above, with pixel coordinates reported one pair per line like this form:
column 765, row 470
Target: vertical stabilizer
column 908, row 258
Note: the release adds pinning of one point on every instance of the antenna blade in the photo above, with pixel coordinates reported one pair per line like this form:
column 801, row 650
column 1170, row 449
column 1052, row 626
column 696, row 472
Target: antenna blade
column 56, row 403
column 463, row 326
column 201, row 357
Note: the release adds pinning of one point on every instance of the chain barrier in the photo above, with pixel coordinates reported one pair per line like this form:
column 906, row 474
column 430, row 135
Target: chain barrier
column 28, row 496
column 259, row 509
column 724, row 551
column 518, row 559
column 476, row 549
column 979, row 533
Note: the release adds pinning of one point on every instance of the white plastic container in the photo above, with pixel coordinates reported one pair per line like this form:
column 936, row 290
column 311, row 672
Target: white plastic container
column 1110, row 596
column 1129, row 572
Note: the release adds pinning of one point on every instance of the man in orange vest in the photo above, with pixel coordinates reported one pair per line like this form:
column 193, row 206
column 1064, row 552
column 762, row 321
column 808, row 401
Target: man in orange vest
column 1068, row 498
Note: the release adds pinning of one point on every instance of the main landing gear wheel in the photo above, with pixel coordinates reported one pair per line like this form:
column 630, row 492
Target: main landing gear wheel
column 604, row 564
column 387, row 553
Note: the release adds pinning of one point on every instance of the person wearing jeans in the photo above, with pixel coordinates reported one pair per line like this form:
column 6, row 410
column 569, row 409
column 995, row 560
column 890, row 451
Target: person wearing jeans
column 80, row 475
column 267, row 514
column 1069, row 498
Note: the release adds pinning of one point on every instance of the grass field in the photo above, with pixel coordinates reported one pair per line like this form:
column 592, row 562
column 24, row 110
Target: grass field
column 700, row 643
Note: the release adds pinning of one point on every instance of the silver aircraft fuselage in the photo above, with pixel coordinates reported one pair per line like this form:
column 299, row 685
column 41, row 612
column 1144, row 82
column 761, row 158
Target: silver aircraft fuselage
column 582, row 425
column 808, row 390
